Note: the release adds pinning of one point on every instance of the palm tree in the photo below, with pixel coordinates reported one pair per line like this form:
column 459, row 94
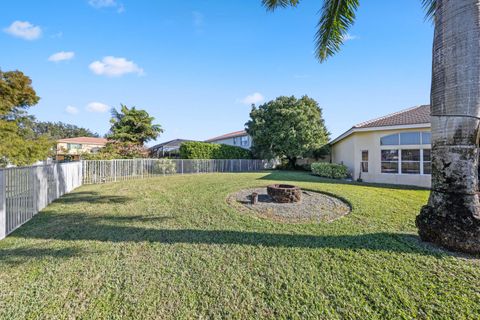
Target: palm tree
column 452, row 216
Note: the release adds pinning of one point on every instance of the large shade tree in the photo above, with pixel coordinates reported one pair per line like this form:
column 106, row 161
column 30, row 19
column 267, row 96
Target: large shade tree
column 18, row 143
column 287, row 127
column 452, row 216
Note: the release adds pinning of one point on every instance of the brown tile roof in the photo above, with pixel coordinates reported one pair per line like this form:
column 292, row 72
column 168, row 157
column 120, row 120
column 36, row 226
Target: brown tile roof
column 85, row 140
column 415, row 115
column 228, row 135
column 419, row 115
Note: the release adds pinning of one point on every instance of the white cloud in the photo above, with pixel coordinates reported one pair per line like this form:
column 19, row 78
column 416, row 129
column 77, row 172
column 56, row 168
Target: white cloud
column 254, row 98
column 71, row 110
column 97, row 107
column 348, row 37
column 102, row 3
column 114, row 67
column 61, row 56
column 24, row 30
column 99, row 4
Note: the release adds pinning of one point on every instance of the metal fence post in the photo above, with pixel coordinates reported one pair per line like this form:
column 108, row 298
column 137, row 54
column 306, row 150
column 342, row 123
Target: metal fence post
column 3, row 209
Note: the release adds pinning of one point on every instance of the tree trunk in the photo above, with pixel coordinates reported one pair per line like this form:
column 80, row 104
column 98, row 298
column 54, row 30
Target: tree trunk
column 452, row 216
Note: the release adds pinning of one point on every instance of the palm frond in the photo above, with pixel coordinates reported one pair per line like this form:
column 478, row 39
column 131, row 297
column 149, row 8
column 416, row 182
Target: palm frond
column 430, row 6
column 337, row 17
column 274, row 4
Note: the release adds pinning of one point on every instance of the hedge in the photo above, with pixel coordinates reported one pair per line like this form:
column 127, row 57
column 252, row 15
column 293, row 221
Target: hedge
column 204, row 150
column 330, row 170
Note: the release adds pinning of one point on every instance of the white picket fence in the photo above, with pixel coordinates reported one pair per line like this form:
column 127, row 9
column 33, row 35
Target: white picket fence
column 25, row 191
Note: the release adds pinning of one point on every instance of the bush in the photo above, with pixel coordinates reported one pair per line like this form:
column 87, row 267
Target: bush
column 204, row 150
column 117, row 150
column 329, row 170
column 164, row 166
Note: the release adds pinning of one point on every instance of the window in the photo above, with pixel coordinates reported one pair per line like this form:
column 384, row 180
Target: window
column 389, row 161
column 391, row 140
column 409, row 138
column 74, row 146
column 244, row 141
column 364, row 163
column 427, row 162
column 406, row 138
column 411, row 161
column 426, row 138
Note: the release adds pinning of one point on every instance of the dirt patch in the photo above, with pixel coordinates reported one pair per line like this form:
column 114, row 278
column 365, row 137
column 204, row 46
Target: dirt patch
column 314, row 207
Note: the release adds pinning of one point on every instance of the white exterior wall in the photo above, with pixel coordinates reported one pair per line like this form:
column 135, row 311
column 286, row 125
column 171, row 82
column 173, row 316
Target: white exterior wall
column 235, row 141
column 343, row 153
column 349, row 151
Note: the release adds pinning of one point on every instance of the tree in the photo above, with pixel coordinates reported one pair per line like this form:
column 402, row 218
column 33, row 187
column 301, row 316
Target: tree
column 133, row 125
column 17, row 144
column 452, row 216
column 287, row 127
column 118, row 150
column 60, row 130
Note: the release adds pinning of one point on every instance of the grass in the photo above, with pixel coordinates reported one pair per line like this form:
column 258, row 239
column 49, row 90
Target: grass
column 172, row 248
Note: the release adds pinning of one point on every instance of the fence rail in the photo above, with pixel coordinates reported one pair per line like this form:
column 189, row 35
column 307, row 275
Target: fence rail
column 101, row 171
column 25, row 191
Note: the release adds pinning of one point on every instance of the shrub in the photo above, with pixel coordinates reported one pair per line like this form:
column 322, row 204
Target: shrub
column 117, row 150
column 164, row 166
column 329, row 170
column 204, row 150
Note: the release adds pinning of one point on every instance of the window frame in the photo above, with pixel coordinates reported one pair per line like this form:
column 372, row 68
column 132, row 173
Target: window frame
column 399, row 147
column 244, row 141
column 364, row 162
column 419, row 161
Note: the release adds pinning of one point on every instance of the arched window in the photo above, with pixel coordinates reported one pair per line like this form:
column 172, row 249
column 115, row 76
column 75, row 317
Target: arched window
column 412, row 156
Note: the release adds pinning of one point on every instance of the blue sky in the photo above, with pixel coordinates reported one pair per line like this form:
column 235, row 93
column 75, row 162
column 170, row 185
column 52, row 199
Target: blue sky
column 196, row 64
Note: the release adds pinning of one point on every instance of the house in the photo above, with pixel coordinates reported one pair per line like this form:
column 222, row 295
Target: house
column 72, row 148
column 237, row 138
column 394, row 149
column 167, row 149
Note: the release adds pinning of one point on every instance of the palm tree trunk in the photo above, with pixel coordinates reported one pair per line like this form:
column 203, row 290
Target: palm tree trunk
column 452, row 216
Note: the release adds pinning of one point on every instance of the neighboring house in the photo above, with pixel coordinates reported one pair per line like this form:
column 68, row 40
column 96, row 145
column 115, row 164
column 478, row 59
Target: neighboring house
column 393, row 149
column 167, row 149
column 72, row 148
column 237, row 138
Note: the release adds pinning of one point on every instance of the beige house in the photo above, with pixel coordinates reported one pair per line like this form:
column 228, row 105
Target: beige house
column 394, row 149
column 237, row 138
column 72, row 148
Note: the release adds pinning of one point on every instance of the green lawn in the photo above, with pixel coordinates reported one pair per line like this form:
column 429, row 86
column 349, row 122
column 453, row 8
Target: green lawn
column 171, row 247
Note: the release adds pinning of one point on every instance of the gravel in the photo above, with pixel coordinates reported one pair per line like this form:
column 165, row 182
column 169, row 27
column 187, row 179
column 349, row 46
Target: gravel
column 314, row 207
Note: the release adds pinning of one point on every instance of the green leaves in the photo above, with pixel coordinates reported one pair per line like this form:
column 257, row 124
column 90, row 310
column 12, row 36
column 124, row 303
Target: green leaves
column 204, row 150
column 430, row 6
column 18, row 143
column 337, row 17
column 287, row 127
column 133, row 125
column 273, row 4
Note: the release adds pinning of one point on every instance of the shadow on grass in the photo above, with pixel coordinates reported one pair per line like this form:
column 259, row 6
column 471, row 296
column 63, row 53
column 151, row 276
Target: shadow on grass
column 304, row 176
column 22, row 255
column 91, row 197
column 99, row 229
